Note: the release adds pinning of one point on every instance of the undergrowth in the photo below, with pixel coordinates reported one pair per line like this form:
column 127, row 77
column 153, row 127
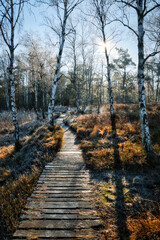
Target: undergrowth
column 101, row 147
column 20, row 171
column 128, row 200
column 23, row 117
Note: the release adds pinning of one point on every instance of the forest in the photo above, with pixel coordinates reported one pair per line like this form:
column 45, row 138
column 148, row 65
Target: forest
column 80, row 115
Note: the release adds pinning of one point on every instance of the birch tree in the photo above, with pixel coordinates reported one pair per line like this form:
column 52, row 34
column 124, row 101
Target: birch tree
column 4, row 10
column 142, row 8
column 74, row 78
column 64, row 8
column 83, row 46
column 101, row 10
column 12, row 10
column 3, row 66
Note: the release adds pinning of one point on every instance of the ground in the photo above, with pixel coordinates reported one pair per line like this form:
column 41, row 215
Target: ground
column 20, row 170
column 125, row 180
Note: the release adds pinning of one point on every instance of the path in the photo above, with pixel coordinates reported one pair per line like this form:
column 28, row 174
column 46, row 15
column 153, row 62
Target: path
column 60, row 206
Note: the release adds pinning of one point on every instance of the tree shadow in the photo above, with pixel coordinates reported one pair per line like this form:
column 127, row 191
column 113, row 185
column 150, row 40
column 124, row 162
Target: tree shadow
column 120, row 208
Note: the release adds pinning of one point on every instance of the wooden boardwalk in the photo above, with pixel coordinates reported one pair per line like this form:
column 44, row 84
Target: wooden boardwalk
column 60, row 206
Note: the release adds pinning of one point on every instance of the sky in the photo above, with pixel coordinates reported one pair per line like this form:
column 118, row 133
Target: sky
column 33, row 22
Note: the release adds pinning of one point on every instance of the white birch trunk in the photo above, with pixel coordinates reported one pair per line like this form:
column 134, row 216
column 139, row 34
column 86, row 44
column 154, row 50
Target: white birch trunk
column 141, row 88
column 101, row 85
column 6, row 86
column 27, row 77
column 75, row 82
column 6, row 90
column 108, row 75
column 56, row 76
column 24, row 90
column 89, row 87
column 157, row 90
column 43, row 103
column 36, row 96
column 7, row 93
column 83, row 84
column 109, row 83
column 11, row 79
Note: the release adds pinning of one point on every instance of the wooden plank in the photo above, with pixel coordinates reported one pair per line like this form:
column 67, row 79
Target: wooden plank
column 66, row 205
column 59, row 224
column 37, row 215
column 61, row 192
column 66, row 188
column 62, row 181
column 49, row 199
column 61, row 184
column 62, row 195
column 52, row 234
column 64, row 175
column 60, row 211
column 66, row 171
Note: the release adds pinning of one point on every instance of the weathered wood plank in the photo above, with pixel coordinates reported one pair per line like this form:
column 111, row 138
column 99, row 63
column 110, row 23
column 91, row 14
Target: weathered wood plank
column 70, row 188
column 52, row 234
column 63, row 195
column 71, row 205
column 60, row 211
column 61, row 192
column 59, row 224
column 61, row 184
column 58, row 216
column 49, row 199
column 49, row 175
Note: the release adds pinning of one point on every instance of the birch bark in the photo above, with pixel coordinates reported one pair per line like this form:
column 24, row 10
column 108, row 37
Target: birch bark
column 11, row 78
column 101, row 8
column 7, row 28
column 56, row 76
column 36, row 95
column 142, row 8
column 109, row 80
column 68, row 7
column 141, row 88
column 75, row 82
column 6, row 85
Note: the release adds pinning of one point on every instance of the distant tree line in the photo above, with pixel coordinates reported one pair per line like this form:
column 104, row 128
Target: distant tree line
column 33, row 71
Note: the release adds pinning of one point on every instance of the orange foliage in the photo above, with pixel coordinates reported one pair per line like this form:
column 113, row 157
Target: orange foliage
column 145, row 227
column 6, row 151
column 98, row 130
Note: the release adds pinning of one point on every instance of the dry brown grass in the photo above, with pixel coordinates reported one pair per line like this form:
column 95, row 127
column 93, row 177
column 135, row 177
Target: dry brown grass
column 13, row 197
column 19, row 174
column 145, row 227
column 97, row 135
column 119, row 198
column 23, row 117
column 6, row 151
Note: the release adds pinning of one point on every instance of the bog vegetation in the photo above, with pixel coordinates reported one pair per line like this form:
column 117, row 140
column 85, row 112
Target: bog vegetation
column 19, row 171
column 100, row 142
column 128, row 196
